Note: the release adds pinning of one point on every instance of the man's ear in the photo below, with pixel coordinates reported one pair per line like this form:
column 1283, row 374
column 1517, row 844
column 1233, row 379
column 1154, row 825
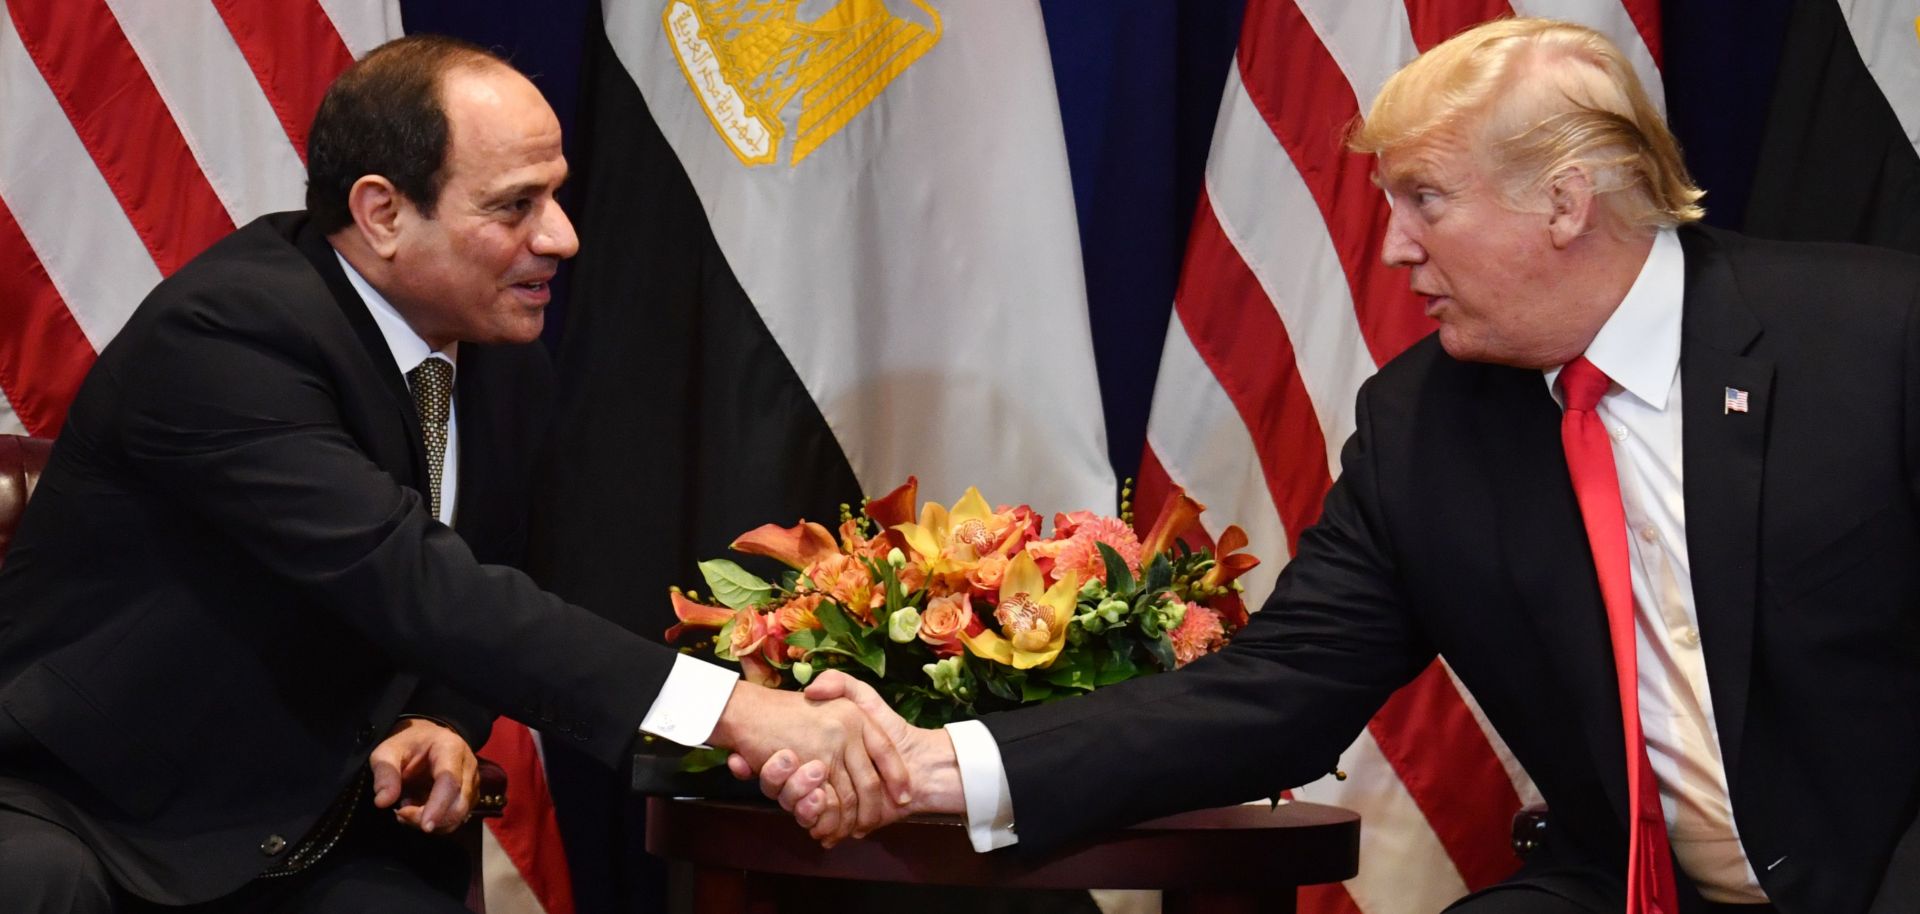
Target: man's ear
column 1574, row 207
column 378, row 210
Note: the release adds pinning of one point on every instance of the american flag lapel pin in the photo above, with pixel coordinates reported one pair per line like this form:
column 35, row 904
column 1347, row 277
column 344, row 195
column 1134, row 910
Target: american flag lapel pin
column 1736, row 401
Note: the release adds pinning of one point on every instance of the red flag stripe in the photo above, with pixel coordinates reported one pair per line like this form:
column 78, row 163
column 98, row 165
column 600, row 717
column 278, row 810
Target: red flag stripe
column 1435, row 21
column 1238, row 335
column 1457, row 781
column 1305, row 99
column 43, row 354
column 1646, row 18
column 104, row 90
column 527, row 829
column 294, row 50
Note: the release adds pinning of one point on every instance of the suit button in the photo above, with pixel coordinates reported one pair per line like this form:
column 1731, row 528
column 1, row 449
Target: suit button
column 273, row 845
column 364, row 735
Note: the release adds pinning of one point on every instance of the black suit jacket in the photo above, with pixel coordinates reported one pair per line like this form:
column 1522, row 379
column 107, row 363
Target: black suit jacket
column 1453, row 529
column 228, row 586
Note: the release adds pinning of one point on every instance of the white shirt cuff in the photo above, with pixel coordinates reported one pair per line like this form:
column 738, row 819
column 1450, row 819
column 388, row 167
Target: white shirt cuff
column 689, row 704
column 983, row 784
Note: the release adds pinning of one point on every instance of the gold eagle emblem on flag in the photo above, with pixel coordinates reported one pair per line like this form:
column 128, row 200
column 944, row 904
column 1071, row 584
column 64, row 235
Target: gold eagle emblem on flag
column 769, row 79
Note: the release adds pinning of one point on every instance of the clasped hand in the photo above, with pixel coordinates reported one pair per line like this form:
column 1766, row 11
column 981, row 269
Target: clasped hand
column 832, row 805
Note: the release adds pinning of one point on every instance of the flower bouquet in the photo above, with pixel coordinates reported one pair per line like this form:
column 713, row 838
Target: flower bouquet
column 959, row 611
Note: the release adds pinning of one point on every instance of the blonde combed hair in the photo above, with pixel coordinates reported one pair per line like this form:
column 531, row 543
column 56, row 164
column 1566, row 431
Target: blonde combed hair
column 1538, row 98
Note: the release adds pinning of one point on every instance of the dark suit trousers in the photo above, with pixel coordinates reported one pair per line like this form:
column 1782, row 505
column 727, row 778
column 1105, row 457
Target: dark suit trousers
column 378, row 867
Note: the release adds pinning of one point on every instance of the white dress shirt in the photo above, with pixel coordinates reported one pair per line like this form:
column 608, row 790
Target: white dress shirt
column 1639, row 348
column 690, row 702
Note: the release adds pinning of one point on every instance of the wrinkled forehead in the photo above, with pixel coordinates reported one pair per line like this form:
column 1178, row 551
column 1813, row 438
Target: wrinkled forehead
column 1445, row 157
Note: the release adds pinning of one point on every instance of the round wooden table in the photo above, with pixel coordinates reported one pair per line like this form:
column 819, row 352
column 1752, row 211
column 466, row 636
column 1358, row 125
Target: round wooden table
column 1224, row 861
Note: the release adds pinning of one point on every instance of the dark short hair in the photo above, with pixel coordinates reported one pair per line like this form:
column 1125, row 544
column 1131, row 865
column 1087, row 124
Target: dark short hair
column 384, row 116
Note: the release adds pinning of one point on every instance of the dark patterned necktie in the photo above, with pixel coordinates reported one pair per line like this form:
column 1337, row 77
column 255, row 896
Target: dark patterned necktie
column 432, row 385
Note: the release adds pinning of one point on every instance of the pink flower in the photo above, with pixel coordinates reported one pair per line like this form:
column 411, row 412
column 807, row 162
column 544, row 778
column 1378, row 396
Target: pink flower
column 1079, row 554
column 943, row 622
column 985, row 577
column 749, row 632
column 1199, row 634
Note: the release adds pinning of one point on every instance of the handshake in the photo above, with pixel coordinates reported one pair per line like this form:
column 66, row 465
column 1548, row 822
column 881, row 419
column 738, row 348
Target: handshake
column 837, row 757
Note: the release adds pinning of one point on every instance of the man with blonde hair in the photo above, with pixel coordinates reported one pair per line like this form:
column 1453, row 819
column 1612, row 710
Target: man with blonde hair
column 1650, row 491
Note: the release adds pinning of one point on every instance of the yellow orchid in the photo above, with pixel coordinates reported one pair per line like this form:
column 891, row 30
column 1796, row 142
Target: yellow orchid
column 1035, row 622
column 950, row 543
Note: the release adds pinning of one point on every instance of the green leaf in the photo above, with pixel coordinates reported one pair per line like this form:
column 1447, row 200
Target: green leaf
column 697, row 760
column 1162, row 650
column 1117, row 667
column 1119, row 578
column 1077, row 673
column 1035, row 690
column 806, row 639
column 1159, row 573
column 734, row 586
column 834, row 620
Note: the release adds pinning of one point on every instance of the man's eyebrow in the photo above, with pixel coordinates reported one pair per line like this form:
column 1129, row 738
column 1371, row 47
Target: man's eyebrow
column 523, row 188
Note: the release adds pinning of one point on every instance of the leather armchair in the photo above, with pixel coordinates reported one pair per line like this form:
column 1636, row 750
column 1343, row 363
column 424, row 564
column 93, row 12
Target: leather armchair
column 21, row 460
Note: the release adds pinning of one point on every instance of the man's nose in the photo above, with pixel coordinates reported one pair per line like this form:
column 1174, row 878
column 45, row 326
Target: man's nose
column 1399, row 249
column 555, row 236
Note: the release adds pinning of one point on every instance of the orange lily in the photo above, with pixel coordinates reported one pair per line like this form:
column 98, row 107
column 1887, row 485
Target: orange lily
column 797, row 546
column 1178, row 514
column 1228, row 561
column 694, row 615
column 895, row 507
column 1035, row 622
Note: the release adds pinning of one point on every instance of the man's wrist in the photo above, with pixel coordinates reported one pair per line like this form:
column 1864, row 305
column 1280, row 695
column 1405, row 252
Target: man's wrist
column 936, row 774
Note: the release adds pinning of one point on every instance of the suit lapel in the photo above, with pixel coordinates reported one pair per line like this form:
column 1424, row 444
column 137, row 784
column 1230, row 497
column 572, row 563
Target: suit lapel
column 374, row 345
column 1546, row 552
column 1725, row 454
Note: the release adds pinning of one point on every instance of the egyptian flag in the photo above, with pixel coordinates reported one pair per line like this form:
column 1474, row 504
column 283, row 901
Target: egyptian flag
column 1838, row 161
column 825, row 246
column 818, row 255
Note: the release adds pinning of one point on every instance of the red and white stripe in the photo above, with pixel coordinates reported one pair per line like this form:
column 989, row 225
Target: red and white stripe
column 1283, row 309
column 138, row 132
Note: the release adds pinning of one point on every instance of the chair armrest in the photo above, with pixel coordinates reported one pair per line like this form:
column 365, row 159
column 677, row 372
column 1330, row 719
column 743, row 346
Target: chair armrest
column 490, row 797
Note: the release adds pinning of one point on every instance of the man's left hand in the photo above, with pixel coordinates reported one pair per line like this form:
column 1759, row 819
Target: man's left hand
column 426, row 773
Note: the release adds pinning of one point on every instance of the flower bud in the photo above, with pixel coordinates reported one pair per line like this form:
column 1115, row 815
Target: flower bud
column 803, row 671
column 904, row 625
column 895, row 557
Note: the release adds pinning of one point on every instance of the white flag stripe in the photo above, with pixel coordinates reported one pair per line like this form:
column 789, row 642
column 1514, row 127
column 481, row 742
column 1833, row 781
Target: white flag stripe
column 1204, row 446
column 1403, row 865
column 1886, row 32
column 65, row 209
column 1610, row 18
column 505, row 891
column 10, row 424
column 363, row 24
column 1369, row 39
column 1251, row 182
column 210, row 90
column 1523, row 786
column 921, row 268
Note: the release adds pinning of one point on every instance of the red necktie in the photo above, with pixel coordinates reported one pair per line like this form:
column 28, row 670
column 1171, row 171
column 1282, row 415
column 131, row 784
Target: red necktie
column 1650, row 888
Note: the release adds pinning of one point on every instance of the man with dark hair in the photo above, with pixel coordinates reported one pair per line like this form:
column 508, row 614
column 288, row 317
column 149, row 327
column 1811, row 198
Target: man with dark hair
column 237, row 623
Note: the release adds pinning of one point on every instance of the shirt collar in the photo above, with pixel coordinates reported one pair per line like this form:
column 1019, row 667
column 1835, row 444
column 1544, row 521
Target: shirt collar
column 1639, row 345
column 408, row 349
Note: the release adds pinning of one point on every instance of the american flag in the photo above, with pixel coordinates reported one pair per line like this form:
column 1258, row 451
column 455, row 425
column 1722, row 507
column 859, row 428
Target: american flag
column 136, row 133
column 1283, row 309
column 1736, row 401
